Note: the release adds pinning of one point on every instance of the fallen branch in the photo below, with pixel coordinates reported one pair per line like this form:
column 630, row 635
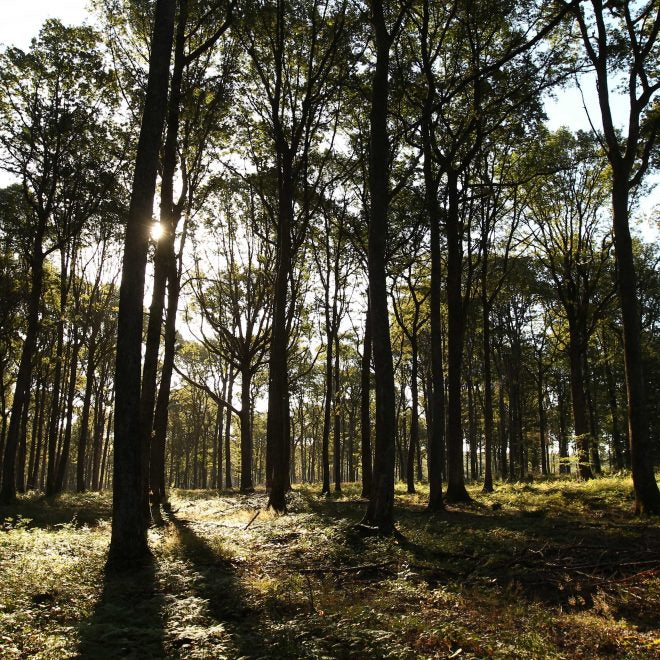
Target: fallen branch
column 347, row 569
column 254, row 517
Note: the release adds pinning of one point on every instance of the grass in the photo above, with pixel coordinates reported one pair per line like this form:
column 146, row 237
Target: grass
column 556, row 569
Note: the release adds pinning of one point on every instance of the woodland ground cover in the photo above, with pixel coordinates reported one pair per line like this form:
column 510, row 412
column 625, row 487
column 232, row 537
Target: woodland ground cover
column 542, row 569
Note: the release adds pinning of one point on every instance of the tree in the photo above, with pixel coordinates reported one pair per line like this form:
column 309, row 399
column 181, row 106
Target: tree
column 623, row 38
column 56, row 136
column 295, row 82
column 128, row 545
column 565, row 212
column 234, row 302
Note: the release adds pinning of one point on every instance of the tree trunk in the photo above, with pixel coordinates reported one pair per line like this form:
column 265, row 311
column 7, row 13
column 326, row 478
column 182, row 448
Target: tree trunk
column 169, row 218
column 365, row 408
column 22, row 450
column 246, row 431
column 647, row 495
column 23, row 378
column 436, row 446
column 456, row 491
column 63, row 462
column 55, row 411
column 488, row 382
column 35, row 440
column 84, row 418
column 617, row 440
column 414, row 415
column 277, row 425
column 380, row 509
column 230, row 393
column 502, row 415
column 579, row 399
column 128, row 545
column 336, row 438
column 327, row 408
column 158, row 448
column 540, row 394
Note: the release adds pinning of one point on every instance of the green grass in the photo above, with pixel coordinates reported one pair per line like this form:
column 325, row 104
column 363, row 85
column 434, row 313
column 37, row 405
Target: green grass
column 556, row 569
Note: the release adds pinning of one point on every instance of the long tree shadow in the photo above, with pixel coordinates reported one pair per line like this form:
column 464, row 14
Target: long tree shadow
column 228, row 602
column 128, row 620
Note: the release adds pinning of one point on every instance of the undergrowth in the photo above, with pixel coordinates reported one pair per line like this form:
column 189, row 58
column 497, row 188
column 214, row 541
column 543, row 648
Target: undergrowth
column 556, row 569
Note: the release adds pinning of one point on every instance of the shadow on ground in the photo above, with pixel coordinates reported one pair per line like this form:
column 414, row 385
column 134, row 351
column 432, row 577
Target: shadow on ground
column 229, row 604
column 128, row 620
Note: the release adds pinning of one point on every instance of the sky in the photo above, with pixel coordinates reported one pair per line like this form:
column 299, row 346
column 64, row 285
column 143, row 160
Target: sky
column 21, row 20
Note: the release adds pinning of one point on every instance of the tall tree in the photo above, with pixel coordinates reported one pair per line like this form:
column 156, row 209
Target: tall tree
column 381, row 501
column 128, row 544
column 623, row 38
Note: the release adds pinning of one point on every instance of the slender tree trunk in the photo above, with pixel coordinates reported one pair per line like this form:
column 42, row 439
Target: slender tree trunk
column 617, row 441
column 102, row 483
column 472, row 424
column 327, row 407
column 437, row 443
column 456, row 491
column 54, row 422
column 84, row 417
column 647, row 495
column 381, row 503
column 594, row 449
column 34, row 435
column 277, row 425
column 578, row 397
column 414, row 413
column 157, row 472
column 63, row 462
column 540, row 396
column 365, row 408
column 99, row 431
column 488, row 382
column 336, row 444
column 246, row 431
column 502, row 413
column 23, row 378
column 22, row 450
column 169, row 217
column 230, row 393
column 33, row 483
column 128, row 545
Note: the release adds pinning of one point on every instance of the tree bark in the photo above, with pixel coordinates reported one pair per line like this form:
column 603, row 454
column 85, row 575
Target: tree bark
column 647, row 495
column 381, row 503
column 327, row 407
column 456, row 491
column 169, row 217
column 63, row 462
column 365, row 407
column 230, row 393
column 23, row 377
column 128, row 545
column 579, row 399
column 336, row 436
column 246, row 431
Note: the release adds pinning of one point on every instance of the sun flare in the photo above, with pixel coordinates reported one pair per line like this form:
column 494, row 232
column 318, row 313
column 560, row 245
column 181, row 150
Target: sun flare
column 157, row 231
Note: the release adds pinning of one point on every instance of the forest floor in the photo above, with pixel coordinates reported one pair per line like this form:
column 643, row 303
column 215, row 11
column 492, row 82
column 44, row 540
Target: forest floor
column 555, row 569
